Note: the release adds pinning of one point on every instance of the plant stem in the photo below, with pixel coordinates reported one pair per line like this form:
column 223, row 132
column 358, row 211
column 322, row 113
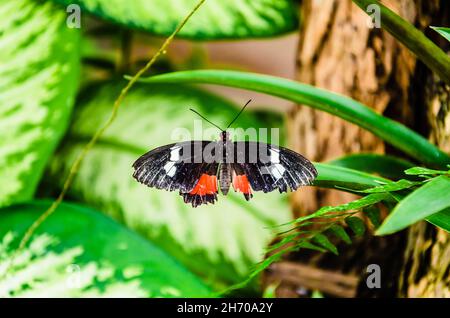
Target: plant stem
column 428, row 52
column 75, row 166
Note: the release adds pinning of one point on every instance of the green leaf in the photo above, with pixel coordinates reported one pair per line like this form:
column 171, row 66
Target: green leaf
column 221, row 241
column 358, row 204
column 326, row 219
column 417, row 171
column 445, row 32
column 270, row 290
column 216, row 19
column 322, row 240
column 340, row 233
column 317, row 294
column 38, row 79
column 373, row 213
column 393, row 186
column 330, row 176
column 441, row 219
column 356, row 224
column 432, row 197
column 384, row 165
column 308, row 245
column 79, row 252
column 346, row 108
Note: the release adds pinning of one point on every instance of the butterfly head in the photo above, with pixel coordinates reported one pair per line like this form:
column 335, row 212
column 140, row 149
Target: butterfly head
column 225, row 135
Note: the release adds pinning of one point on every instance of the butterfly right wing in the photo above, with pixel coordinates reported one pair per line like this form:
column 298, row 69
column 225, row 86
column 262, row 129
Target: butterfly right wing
column 274, row 168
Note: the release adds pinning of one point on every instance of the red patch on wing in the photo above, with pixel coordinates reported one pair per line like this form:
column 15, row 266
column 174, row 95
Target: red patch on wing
column 206, row 185
column 241, row 184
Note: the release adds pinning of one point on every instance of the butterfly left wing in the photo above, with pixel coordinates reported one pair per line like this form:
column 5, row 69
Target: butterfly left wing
column 175, row 167
column 265, row 167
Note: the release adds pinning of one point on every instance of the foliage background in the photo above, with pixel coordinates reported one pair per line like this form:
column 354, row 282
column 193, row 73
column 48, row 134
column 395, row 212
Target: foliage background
column 46, row 66
column 114, row 237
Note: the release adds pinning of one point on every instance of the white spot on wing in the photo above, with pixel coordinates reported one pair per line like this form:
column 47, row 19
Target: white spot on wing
column 175, row 153
column 277, row 171
column 168, row 168
column 274, row 156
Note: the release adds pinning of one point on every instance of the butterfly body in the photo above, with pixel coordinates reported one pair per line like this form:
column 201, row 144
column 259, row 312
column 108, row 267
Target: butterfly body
column 198, row 169
column 225, row 176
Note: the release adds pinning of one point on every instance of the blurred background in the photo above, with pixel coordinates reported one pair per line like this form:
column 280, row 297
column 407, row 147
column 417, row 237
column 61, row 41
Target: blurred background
column 62, row 68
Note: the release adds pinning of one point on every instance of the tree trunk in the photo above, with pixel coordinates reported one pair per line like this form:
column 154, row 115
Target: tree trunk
column 339, row 52
column 426, row 270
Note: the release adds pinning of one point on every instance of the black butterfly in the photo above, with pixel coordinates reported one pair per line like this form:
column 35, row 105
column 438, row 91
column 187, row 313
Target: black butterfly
column 196, row 168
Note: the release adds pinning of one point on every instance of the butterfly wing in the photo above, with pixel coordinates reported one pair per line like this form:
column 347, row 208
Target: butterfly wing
column 255, row 166
column 180, row 167
column 268, row 167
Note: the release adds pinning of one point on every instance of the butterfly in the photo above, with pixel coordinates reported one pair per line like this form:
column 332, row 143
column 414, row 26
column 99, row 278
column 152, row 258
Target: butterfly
column 198, row 169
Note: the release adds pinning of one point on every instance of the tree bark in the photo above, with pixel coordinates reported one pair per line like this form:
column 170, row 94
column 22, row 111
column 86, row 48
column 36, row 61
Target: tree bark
column 339, row 52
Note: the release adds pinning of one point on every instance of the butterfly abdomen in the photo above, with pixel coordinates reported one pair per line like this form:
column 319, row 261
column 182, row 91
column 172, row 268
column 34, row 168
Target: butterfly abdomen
column 225, row 177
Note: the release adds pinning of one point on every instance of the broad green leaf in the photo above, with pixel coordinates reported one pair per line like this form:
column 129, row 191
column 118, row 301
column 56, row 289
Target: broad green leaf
column 417, row 171
column 384, row 165
column 441, row 219
column 322, row 240
column 356, row 224
column 344, row 107
column 216, row 19
column 38, row 79
column 340, row 232
column 79, row 252
column 445, row 32
column 222, row 241
column 330, row 176
column 432, row 197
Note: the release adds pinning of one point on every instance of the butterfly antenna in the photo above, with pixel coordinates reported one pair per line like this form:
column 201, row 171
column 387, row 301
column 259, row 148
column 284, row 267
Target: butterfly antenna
column 239, row 113
column 205, row 118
